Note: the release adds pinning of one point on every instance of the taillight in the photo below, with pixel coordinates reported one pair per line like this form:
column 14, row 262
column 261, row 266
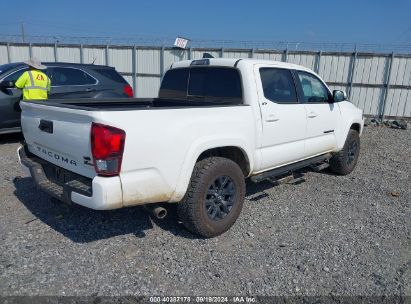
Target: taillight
column 128, row 90
column 107, row 147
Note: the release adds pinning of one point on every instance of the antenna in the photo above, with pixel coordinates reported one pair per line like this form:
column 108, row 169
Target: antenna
column 94, row 59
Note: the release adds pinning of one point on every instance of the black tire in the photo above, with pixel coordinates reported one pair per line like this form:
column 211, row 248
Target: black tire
column 197, row 208
column 344, row 162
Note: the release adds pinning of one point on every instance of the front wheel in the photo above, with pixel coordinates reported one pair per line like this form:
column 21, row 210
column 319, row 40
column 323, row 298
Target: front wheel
column 214, row 197
column 344, row 162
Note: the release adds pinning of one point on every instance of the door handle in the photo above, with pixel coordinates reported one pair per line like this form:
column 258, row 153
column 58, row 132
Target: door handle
column 46, row 126
column 312, row 114
column 271, row 118
column 90, row 90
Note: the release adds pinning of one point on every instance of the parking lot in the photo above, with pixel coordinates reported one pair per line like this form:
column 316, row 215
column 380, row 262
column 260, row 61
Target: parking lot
column 329, row 235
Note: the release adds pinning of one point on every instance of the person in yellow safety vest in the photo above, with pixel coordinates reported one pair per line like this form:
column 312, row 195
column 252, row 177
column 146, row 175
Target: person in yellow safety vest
column 34, row 83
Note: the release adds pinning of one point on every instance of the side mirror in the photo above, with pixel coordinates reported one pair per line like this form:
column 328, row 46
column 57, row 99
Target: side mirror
column 6, row 84
column 339, row 96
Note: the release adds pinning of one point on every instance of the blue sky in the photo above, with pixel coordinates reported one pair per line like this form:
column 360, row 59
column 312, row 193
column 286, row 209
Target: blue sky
column 384, row 21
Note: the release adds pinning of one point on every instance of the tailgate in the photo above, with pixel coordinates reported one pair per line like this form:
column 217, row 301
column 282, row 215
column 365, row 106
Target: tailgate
column 59, row 135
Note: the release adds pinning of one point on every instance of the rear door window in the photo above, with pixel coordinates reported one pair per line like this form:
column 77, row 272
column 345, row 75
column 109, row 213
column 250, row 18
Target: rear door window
column 70, row 76
column 278, row 85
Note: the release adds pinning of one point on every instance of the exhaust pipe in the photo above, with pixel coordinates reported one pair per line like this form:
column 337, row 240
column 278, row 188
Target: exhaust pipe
column 156, row 210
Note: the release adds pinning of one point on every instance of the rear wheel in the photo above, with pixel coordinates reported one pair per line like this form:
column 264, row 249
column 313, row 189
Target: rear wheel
column 214, row 198
column 345, row 161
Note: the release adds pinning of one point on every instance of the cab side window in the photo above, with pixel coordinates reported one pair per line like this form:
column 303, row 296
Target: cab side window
column 278, row 85
column 313, row 90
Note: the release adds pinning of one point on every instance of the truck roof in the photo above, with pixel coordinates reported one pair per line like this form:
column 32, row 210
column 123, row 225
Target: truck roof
column 235, row 61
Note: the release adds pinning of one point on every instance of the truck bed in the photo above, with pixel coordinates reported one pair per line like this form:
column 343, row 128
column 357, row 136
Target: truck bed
column 60, row 132
column 121, row 104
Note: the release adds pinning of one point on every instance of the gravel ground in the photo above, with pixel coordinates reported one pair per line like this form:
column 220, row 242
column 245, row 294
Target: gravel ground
column 329, row 235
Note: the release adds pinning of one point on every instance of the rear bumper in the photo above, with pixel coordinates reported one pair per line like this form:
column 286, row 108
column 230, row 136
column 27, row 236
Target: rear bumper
column 99, row 193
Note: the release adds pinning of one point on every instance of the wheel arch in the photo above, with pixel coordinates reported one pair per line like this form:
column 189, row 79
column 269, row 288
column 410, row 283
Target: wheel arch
column 236, row 151
column 354, row 124
column 233, row 153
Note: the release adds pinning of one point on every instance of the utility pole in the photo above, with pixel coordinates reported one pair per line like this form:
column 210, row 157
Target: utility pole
column 22, row 32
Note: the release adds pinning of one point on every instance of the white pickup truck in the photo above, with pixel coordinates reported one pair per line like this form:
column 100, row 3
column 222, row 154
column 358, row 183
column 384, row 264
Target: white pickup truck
column 215, row 123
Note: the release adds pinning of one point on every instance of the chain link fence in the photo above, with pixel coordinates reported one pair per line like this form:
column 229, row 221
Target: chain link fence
column 201, row 43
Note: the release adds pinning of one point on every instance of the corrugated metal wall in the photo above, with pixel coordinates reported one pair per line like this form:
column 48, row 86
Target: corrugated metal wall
column 378, row 83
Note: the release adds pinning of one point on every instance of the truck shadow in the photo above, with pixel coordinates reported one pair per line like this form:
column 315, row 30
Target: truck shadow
column 83, row 225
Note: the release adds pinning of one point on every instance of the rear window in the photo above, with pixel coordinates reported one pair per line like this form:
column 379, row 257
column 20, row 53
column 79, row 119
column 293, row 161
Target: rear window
column 111, row 74
column 215, row 84
column 174, row 84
